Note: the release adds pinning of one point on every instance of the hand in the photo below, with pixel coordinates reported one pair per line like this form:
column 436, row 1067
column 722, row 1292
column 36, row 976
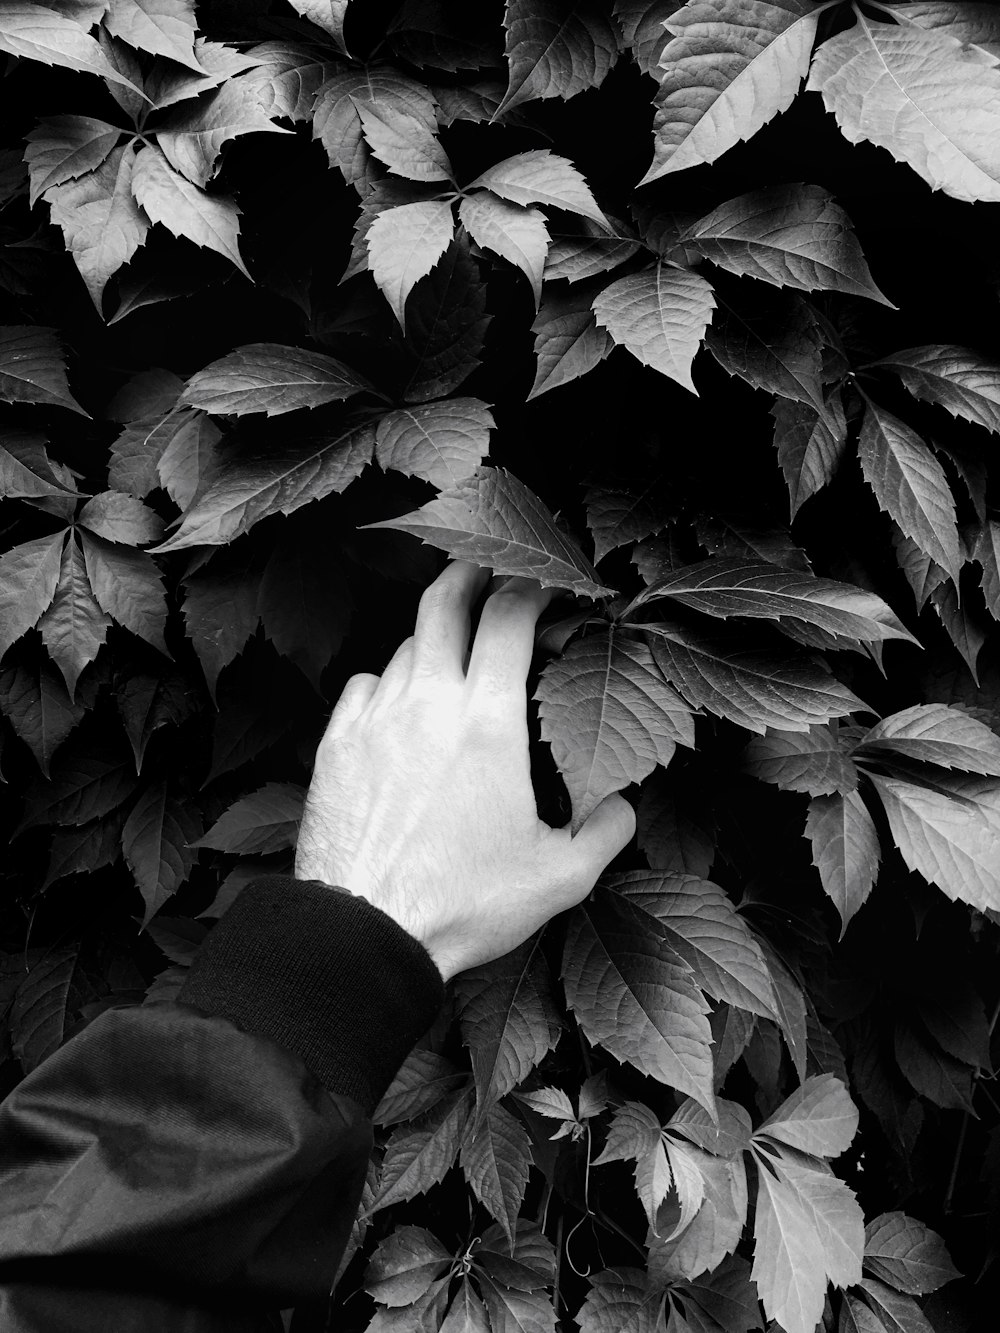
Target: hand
column 421, row 800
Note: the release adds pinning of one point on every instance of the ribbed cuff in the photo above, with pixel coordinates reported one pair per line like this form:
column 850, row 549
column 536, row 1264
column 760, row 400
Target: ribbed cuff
column 324, row 974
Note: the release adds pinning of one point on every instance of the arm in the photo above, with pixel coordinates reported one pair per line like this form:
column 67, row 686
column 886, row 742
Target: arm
column 198, row 1165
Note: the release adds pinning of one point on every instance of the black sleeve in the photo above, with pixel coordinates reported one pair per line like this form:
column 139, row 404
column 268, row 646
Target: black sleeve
column 197, row 1165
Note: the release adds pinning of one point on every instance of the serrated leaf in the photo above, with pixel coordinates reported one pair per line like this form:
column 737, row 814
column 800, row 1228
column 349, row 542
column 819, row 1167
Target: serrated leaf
column 304, row 605
column 162, row 27
column 632, row 996
column 40, row 709
column 575, row 258
column 29, row 574
column 157, row 840
column 671, row 837
column 85, row 787
column 754, row 686
column 730, row 68
column 966, row 631
column 810, row 447
column 931, row 1072
column 220, row 612
column 337, row 124
column 986, row 551
column 496, row 1159
column 214, row 64
column 541, row 177
column 508, row 1018
column 920, row 571
column 609, row 716
column 442, row 443
column 38, row 32
column 917, row 94
column 404, row 244
column 789, row 236
column 403, row 142
column 936, row 734
column 60, row 148
column 552, row 52
column 121, row 518
column 551, row 1102
column 910, row 485
column 812, row 761
column 621, row 1300
column 818, row 1118
column 956, row 378
column 511, row 231
column 426, row 32
column 716, row 1229
column 74, row 626
column 166, row 196
column 326, row 14
column 287, row 77
column 467, row 1314
column 729, row 1137
column 972, row 23
column 27, row 472
column 265, row 821
column 83, row 850
column 37, row 1018
column 904, row 1253
column 178, row 938
column 568, row 344
column 418, row 1156
column 495, row 521
column 949, row 834
column 192, row 137
column 514, row 1311
column 128, row 586
column 644, row 29
column 404, row 1266
column 446, row 325
column 894, row 1312
column 147, row 703
column 33, row 368
column 270, row 378
column 190, row 461
column 773, row 344
column 421, row 1081
column 617, row 515
column 278, row 482
column 660, row 315
column 845, row 850
column 474, row 102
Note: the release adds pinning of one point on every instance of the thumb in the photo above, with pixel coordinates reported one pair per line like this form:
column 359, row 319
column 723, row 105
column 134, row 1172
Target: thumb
column 610, row 828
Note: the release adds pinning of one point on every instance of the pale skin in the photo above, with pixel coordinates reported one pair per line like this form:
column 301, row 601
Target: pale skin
column 421, row 799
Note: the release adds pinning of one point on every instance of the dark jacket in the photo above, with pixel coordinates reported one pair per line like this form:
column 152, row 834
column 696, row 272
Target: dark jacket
column 197, row 1165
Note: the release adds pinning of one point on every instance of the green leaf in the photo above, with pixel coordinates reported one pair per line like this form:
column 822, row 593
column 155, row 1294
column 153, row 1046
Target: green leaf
column 403, row 142
column 609, row 716
column 643, row 24
column 421, row 1081
column 404, row 1266
column 443, row 443
column 956, row 378
column 286, row 78
column 509, row 1020
column 40, row 709
column 418, row 1156
column 541, row 177
column 37, row 1018
column 220, row 612
column 786, row 235
column 29, row 574
column 774, row 344
column 61, row 148
column 82, row 850
column 37, row 32
column 949, row 834
column 916, row 93
column 986, row 551
column 931, row 1072
column 404, row 244
column 588, row 255
column 617, row 515
column 660, row 315
column 190, row 462
column 910, row 485
column 147, row 703
column 622, row 1300
column 426, row 32
column 270, row 378
column 810, row 447
column 326, row 14
column 972, row 23
column 551, row 1102
column 33, row 368
column 166, row 196
column 121, row 518
column 304, row 604
column 845, row 850
column 907, row 1255
column 278, row 482
column 532, row 1265
column 716, row 1229
column 128, row 586
column 157, row 840
column 672, row 835
column 168, row 83
column 85, row 787
column 555, row 53
column 818, row 1118
column 74, row 626
column 568, row 344
column 730, row 68
column 751, row 684
column 193, row 136
column 634, row 997
column 966, row 631
column 446, row 324
column 920, row 571
column 496, row 1158
column 162, row 27
column 337, row 124
column 894, row 1313
column 514, row 233
column 493, row 520
column 265, row 821
column 812, row 761
column 935, row 734
column 27, row 472
column 467, row 1314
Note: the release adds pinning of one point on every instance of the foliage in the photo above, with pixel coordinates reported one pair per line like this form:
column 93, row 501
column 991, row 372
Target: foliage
column 289, row 286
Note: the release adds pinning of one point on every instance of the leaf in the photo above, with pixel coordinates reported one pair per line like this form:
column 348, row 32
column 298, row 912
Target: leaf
column 404, row 244
column 74, row 627
column 265, row 821
column 541, row 177
column 496, row 1159
column 192, row 137
column 326, row 14
column 935, row 734
column 532, row 1265
column 587, row 256
column 972, row 23
column 304, row 605
column 190, row 462
column 632, row 996
column 568, row 343
column 493, row 520
column 270, row 378
column 956, row 378
column 162, row 27
column 915, row 93
column 660, row 315
column 404, row 1266
column 166, row 196
column 952, row 842
column 38, row 32
column 40, row 709
column 446, row 325
column 214, row 64
column 147, row 703
column 516, row 234
column 220, row 612
column 425, row 32
column 689, row 1186
column 157, row 842
column 644, row 29
column 730, row 68
column 845, row 850
column 701, row 926
column 83, row 850
column 617, row 515
column 810, row 447
column 61, row 148
column 716, row 1229
column 121, row 518
column 818, row 1118
column 672, row 837
column 555, row 53
column 609, row 716
column 129, row 587
column 910, row 485
column 919, row 570
column 403, row 142
column 907, row 1255
column 101, row 222
column 421, row 1081
column 808, row 1230
column 337, row 124
column 894, row 1312
column 27, row 472
column 551, row 1102
column 29, row 574
column 967, row 634
column 85, row 787
column 754, row 686
column 418, row 1156
column 467, row 1314
column 38, row 1014
column 774, row 345
column 986, row 551
column 514, row 1311
column 812, row 761
column 509, row 1020
column 286, row 78
column 279, row 482
column 946, row 1082
column 621, row 1300
column 33, row 368
column 443, row 443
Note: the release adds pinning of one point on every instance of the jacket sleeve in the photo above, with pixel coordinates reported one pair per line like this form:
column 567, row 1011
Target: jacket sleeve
column 197, row 1165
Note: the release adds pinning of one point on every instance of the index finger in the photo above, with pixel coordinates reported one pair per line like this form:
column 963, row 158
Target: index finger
column 505, row 637
column 441, row 634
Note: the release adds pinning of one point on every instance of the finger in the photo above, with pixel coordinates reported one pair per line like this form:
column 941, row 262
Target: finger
column 397, row 673
column 441, row 634
column 606, row 832
column 353, row 698
column 505, row 637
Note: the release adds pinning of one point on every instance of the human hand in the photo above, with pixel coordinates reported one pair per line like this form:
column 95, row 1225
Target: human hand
column 421, row 799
